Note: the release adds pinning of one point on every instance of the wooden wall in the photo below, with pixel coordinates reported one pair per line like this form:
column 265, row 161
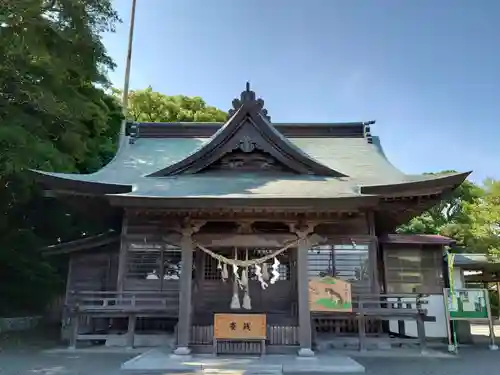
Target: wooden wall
column 94, row 270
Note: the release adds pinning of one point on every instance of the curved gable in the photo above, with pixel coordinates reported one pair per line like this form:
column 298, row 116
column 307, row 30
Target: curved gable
column 248, row 131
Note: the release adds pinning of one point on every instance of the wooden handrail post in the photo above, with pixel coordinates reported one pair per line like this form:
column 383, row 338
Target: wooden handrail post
column 421, row 332
column 361, row 325
column 131, row 331
column 75, row 320
column 418, row 303
column 401, row 323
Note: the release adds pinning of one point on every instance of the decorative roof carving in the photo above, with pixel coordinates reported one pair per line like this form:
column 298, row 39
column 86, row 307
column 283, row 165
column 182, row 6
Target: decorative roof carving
column 246, row 144
column 255, row 161
column 248, row 97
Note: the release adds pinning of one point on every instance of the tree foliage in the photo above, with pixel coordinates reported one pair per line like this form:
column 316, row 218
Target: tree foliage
column 447, row 217
column 56, row 115
column 151, row 106
column 484, row 216
column 53, row 117
column 470, row 215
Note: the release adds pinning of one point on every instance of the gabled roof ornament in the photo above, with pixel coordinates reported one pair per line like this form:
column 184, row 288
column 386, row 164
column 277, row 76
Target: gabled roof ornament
column 367, row 131
column 248, row 97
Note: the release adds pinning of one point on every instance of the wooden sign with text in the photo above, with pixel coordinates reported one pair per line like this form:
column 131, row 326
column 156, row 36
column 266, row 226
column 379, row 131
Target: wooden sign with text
column 240, row 326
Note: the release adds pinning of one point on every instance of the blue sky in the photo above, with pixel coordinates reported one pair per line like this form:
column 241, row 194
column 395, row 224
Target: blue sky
column 428, row 71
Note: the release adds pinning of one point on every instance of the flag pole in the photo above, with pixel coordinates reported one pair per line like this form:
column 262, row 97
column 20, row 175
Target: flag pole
column 127, row 72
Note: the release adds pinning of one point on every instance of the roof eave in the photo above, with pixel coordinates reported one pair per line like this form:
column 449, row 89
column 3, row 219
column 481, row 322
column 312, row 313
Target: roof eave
column 430, row 186
column 71, row 185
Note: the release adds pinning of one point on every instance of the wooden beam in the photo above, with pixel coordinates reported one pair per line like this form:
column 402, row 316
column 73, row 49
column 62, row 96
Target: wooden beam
column 81, row 244
column 164, row 217
column 292, row 205
column 250, row 240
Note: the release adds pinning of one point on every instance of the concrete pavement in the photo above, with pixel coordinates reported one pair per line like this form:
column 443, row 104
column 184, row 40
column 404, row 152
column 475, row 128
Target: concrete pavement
column 471, row 361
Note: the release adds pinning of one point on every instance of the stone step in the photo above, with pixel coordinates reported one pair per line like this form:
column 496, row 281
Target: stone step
column 242, row 371
column 156, row 362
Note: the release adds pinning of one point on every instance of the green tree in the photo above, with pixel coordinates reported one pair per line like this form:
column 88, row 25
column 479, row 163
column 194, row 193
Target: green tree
column 484, row 215
column 151, row 106
column 53, row 117
column 449, row 217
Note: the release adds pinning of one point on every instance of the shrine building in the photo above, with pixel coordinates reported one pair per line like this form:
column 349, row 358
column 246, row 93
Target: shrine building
column 224, row 233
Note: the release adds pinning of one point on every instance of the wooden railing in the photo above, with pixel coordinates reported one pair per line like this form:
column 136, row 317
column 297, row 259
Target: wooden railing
column 384, row 305
column 111, row 304
column 367, row 309
column 370, row 310
column 133, row 302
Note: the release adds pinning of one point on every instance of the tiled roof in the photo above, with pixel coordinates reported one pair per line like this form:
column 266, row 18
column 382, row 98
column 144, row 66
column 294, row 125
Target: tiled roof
column 359, row 164
column 465, row 259
column 362, row 162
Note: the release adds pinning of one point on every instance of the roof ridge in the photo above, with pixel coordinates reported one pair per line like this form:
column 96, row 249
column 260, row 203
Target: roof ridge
column 208, row 129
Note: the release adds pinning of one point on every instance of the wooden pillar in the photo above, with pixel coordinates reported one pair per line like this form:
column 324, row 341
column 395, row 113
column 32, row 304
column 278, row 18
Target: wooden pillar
column 305, row 334
column 184, row 321
column 66, row 316
column 122, row 260
column 498, row 295
column 373, row 254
